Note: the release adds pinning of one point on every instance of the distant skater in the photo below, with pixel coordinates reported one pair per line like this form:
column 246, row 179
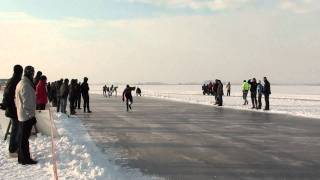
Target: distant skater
column 104, row 90
column 138, row 92
column 267, row 92
column 127, row 96
column 245, row 90
column 228, row 87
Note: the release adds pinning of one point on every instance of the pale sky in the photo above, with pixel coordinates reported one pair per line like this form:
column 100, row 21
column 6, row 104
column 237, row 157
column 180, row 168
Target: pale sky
column 163, row 40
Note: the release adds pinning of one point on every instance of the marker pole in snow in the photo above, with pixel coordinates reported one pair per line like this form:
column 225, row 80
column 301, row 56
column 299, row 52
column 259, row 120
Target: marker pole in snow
column 53, row 148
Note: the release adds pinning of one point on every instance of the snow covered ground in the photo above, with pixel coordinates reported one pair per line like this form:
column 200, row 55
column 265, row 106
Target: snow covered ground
column 77, row 156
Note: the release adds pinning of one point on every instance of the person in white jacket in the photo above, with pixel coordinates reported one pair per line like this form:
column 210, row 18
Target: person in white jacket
column 25, row 100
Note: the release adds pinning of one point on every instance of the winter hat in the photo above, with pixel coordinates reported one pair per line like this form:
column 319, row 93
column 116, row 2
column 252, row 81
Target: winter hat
column 28, row 71
column 17, row 69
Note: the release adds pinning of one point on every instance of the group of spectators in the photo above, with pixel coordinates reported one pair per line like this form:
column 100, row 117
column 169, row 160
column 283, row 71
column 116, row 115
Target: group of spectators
column 215, row 89
column 257, row 90
column 24, row 94
column 59, row 92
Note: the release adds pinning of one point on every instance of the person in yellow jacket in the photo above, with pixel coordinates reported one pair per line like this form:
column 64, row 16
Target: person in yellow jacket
column 245, row 90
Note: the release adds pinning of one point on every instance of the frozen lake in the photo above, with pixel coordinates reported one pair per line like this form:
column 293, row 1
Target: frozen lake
column 295, row 100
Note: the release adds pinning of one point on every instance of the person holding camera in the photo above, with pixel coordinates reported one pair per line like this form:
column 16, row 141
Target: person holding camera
column 25, row 100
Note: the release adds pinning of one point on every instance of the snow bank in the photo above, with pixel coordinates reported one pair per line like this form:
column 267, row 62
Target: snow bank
column 74, row 160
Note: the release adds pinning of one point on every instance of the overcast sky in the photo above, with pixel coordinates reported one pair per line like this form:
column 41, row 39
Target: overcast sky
column 163, row 40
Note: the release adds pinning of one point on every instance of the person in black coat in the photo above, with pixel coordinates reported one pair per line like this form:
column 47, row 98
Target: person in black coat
column 57, row 91
column 138, row 92
column 127, row 96
column 85, row 95
column 73, row 96
column 9, row 106
column 64, row 92
column 253, row 91
column 266, row 92
column 78, row 102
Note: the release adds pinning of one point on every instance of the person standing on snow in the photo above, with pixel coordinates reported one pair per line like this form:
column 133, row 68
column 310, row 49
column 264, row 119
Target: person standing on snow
column 78, row 102
column 219, row 93
column 25, row 99
column 127, row 96
column 9, row 106
column 245, row 90
column 73, row 96
column 41, row 93
column 253, row 92
column 57, row 90
column 37, row 78
column 266, row 92
column 85, row 95
column 228, row 87
column 259, row 92
column 64, row 92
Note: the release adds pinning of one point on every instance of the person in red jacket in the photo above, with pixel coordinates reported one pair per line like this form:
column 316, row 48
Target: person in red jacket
column 41, row 93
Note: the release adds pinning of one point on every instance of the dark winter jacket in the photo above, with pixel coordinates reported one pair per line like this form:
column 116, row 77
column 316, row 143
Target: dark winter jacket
column 219, row 89
column 266, row 88
column 64, row 90
column 253, row 86
column 85, row 89
column 127, row 93
column 9, row 96
column 73, row 91
column 138, row 91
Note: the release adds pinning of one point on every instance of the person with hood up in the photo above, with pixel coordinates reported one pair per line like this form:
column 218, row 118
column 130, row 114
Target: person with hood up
column 10, row 108
column 127, row 96
column 245, row 90
column 41, row 93
column 85, row 95
column 253, row 92
column 25, row 99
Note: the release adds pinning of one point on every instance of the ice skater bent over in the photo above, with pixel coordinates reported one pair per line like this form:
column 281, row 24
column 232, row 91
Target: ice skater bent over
column 126, row 95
